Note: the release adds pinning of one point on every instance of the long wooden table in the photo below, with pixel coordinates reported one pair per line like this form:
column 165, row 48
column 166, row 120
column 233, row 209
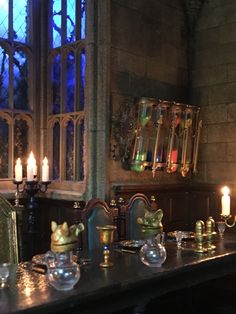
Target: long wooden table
column 127, row 283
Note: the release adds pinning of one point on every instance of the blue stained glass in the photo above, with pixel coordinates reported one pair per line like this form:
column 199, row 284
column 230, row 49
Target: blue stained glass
column 70, row 21
column 56, row 21
column 4, row 78
column 83, row 19
column 56, row 84
column 56, row 151
column 20, row 20
column 82, row 79
column 81, row 150
column 21, row 143
column 70, row 86
column 4, row 148
column 70, row 151
column 20, row 70
column 4, row 18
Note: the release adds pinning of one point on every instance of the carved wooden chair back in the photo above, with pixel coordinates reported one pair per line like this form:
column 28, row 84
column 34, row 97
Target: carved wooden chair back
column 8, row 232
column 136, row 207
column 95, row 213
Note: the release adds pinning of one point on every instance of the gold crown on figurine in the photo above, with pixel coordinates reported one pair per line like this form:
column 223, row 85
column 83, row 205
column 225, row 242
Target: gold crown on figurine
column 65, row 238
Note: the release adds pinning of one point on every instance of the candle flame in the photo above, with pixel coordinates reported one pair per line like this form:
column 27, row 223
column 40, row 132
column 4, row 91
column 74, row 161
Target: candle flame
column 45, row 161
column 18, row 161
column 225, row 190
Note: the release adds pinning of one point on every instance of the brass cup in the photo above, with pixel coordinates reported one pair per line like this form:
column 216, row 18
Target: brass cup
column 106, row 235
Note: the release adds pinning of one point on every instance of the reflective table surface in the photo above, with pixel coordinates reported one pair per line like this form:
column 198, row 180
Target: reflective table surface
column 101, row 290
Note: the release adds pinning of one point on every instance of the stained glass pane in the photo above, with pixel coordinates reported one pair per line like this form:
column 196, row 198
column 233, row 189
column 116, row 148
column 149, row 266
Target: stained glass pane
column 70, row 21
column 4, row 18
column 4, row 148
column 20, row 70
column 70, row 151
column 83, row 17
column 56, row 23
column 20, row 20
column 82, row 79
column 80, row 150
column 56, row 84
column 70, row 79
column 21, row 144
column 56, row 151
column 4, row 78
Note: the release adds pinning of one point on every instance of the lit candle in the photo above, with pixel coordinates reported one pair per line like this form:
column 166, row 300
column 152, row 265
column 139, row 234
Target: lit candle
column 31, row 164
column 18, row 170
column 45, row 170
column 225, row 201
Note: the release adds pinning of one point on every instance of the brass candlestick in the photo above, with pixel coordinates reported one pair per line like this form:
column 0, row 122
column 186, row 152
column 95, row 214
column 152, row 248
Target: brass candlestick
column 106, row 237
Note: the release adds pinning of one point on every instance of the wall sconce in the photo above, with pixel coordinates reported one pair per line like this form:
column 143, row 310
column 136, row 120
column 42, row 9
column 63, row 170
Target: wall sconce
column 225, row 207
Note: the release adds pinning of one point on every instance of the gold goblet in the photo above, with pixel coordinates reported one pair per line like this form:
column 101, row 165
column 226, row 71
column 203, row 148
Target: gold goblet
column 106, row 237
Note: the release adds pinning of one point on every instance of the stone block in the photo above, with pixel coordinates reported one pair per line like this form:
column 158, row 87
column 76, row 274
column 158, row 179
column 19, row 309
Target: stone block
column 214, row 114
column 227, row 53
column 123, row 61
column 223, row 93
column 210, row 76
column 212, row 152
column 219, row 172
column 223, row 132
column 227, row 32
column 231, row 152
column 207, row 39
column 231, row 72
column 210, row 17
column 231, row 112
column 120, row 83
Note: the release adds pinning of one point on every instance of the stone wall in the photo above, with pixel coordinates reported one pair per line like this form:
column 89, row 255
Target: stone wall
column 214, row 89
column 148, row 58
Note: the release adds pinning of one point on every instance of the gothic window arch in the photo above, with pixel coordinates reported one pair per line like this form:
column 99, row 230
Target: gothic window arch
column 16, row 92
column 66, row 80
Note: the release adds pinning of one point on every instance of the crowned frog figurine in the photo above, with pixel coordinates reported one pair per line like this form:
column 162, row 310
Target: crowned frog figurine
column 65, row 238
column 151, row 222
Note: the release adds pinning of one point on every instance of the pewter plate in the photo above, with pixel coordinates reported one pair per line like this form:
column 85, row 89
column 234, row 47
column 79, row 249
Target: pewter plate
column 132, row 244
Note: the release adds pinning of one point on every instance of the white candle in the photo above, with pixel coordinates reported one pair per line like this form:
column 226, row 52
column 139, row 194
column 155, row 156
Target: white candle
column 45, row 170
column 31, row 163
column 225, row 201
column 18, row 170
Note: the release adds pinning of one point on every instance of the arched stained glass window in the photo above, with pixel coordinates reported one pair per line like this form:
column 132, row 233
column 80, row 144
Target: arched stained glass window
column 82, row 79
column 56, row 84
column 70, row 151
column 14, row 20
column 56, row 151
column 4, row 148
column 68, row 21
column 16, row 93
column 70, row 79
column 4, row 78
column 80, row 150
column 20, row 77
column 66, row 99
column 21, row 143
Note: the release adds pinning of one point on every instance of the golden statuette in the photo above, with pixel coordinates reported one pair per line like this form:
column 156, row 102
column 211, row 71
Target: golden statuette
column 65, row 238
column 151, row 219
